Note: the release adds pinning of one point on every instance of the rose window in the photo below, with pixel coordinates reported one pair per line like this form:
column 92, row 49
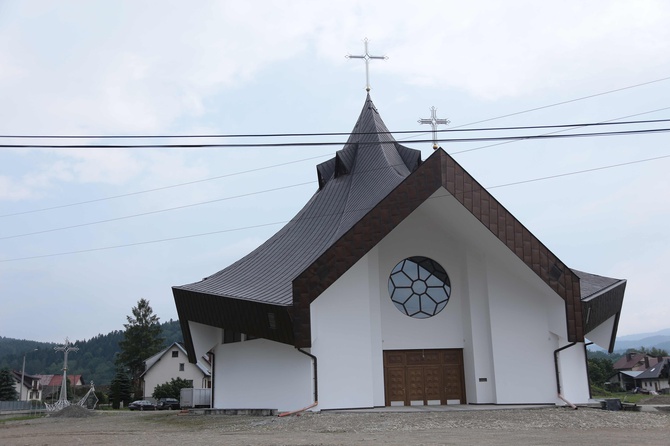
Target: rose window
column 419, row 287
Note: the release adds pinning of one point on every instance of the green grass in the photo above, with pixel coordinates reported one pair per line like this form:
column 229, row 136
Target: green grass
column 21, row 418
column 626, row 397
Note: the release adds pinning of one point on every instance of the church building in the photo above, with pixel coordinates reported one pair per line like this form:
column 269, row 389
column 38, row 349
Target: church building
column 401, row 281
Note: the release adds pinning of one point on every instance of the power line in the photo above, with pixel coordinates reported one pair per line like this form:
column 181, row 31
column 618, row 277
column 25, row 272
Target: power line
column 164, row 187
column 565, row 102
column 318, row 216
column 558, row 131
column 319, row 144
column 279, row 135
column 569, row 126
column 338, row 133
column 125, row 217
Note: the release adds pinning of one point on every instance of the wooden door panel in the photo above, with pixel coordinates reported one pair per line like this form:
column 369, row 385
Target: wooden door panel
column 415, row 384
column 395, row 384
column 424, row 375
column 453, row 382
column 434, row 388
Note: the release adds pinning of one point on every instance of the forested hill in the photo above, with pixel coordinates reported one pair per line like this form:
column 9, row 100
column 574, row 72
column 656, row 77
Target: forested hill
column 94, row 360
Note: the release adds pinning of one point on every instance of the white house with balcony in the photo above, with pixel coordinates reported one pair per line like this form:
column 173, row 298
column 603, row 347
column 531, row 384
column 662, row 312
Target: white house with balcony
column 172, row 363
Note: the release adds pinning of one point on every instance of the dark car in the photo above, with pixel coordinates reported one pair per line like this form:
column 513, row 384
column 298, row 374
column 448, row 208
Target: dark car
column 142, row 405
column 168, row 404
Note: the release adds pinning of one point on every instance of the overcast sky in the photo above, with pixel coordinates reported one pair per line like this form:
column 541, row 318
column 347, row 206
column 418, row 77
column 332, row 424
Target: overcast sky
column 224, row 67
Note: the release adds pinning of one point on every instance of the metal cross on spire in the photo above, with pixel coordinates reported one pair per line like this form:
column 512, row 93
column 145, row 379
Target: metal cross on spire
column 434, row 122
column 66, row 348
column 366, row 57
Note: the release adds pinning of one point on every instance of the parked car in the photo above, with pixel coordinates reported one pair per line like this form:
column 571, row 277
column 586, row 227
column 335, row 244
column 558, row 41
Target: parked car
column 168, row 404
column 142, row 405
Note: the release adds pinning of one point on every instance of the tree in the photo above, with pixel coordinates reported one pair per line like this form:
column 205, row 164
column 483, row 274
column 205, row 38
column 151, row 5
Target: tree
column 119, row 389
column 648, row 351
column 141, row 340
column 600, row 370
column 7, row 389
column 171, row 389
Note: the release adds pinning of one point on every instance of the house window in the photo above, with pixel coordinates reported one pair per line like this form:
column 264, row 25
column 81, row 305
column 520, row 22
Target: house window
column 419, row 287
column 181, row 367
column 175, row 354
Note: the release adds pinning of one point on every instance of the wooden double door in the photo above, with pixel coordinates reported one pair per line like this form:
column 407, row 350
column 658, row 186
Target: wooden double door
column 424, row 377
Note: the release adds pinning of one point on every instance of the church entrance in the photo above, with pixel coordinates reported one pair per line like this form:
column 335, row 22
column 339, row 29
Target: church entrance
column 424, row 377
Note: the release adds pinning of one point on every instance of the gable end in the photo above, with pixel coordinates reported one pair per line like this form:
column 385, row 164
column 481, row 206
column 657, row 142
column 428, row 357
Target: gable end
column 438, row 170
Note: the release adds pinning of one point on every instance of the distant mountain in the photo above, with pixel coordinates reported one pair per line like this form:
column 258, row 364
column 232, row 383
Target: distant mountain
column 639, row 336
column 659, row 339
column 94, row 360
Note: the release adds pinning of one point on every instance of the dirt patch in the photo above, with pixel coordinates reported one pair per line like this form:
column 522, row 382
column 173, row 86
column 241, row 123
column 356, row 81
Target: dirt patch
column 73, row 411
column 656, row 400
column 550, row 426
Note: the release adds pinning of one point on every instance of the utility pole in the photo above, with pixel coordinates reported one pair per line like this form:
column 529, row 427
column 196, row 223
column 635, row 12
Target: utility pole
column 23, row 374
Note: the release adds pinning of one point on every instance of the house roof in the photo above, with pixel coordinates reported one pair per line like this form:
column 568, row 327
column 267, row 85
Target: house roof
column 57, row 380
column 654, row 372
column 630, row 360
column 27, row 379
column 365, row 191
column 153, row 360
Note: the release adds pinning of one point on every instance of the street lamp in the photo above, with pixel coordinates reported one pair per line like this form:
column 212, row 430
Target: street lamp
column 23, row 372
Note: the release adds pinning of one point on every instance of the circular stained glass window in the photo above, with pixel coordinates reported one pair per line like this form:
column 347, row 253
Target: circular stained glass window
column 419, row 287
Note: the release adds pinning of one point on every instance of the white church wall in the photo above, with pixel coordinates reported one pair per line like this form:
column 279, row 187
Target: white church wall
column 204, row 337
column 523, row 313
column 343, row 340
column 376, row 345
column 506, row 320
column 262, row 374
column 420, row 236
column 522, row 343
column 480, row 380
column 573, row 374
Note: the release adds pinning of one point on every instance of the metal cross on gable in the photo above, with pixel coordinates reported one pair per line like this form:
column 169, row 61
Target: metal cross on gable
column 366, row 57
column 434, row 122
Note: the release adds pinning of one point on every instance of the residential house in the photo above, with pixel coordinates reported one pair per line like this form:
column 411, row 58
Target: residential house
column 656, row 378
column 51, row 385
column 30, row 389
column 629, row 367
column 170, row 363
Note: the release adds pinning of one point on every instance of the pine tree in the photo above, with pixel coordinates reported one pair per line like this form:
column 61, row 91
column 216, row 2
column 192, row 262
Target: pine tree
column 141, row 340
column 120, row 389
column 7, row 389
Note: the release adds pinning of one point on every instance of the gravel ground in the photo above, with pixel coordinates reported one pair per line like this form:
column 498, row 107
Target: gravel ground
column 548, row 426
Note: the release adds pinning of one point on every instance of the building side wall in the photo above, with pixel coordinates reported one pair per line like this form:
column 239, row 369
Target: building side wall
column 168, row 367
column 573, row 374
column 262, row 374
column 522, row 342
column 343, row 340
